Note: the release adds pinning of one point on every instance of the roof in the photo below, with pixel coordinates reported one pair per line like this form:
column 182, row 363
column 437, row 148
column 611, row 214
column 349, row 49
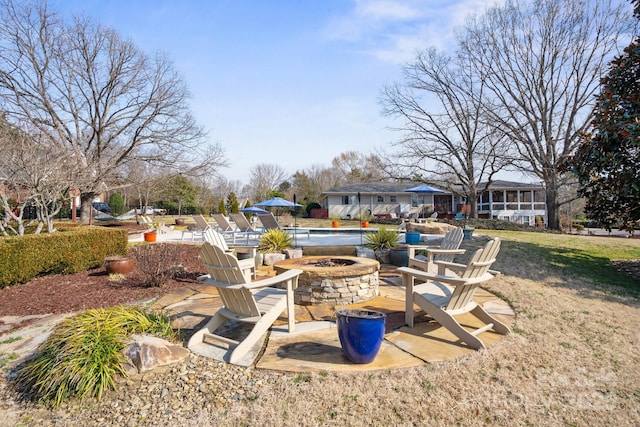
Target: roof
column 401, row 187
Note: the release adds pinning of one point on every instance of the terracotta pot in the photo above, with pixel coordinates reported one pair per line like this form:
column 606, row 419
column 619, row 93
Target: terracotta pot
column 119, row 264
column 365, row 224
column 335, row 224
column 150, row 236
column 179, row 221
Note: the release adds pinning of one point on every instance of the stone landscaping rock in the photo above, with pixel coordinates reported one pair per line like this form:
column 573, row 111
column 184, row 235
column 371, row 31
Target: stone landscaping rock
column 147, row 352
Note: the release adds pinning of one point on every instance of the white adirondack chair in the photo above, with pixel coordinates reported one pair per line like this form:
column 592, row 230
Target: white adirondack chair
column 252, row 302
column 449, row 247
column 248, row 265
column 444, row 297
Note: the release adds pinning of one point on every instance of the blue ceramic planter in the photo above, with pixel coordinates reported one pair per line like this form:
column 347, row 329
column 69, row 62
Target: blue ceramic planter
column 412, row 238
column 361, row 333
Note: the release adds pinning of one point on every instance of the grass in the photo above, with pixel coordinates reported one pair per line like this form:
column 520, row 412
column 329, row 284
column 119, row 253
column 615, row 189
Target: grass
column 582, row 257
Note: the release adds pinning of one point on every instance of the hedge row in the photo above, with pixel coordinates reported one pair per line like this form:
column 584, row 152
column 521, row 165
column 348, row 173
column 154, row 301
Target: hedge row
column 24, row 257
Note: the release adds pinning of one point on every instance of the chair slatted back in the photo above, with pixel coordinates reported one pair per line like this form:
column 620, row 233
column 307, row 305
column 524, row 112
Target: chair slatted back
column 269, row 221
column 201, row 223
column 227, row 277
column 477, row 266
column 216, row 239
column 241, row 222
column 451, row 240
column 222, row 222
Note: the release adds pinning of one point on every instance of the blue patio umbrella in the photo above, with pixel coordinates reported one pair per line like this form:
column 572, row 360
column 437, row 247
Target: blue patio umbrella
column 253, row 209
column 424, row 189
column 277, row 202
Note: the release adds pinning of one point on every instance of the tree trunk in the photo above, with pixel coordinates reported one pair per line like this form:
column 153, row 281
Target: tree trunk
column 553, row 212
column 86, row 206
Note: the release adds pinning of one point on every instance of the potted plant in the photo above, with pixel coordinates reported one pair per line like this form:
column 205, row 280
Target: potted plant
column 273, row 243
column 361, row 333
column 381, row 242
column 335, row 221
column 364, row 219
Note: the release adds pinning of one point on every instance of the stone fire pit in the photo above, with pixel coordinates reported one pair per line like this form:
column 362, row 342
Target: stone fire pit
column 338, row 280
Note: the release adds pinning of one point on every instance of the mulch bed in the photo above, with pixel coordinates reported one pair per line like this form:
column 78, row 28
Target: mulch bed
column 64, row 293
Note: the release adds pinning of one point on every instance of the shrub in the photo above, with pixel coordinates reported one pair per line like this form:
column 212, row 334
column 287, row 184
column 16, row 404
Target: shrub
column 158, row 262
column 84, row 354
column 76, row 249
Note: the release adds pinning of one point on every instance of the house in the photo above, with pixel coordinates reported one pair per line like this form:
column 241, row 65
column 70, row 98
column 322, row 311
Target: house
column 510, row 201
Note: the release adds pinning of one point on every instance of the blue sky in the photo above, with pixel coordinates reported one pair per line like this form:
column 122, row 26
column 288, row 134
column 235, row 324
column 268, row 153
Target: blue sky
column 287, row 82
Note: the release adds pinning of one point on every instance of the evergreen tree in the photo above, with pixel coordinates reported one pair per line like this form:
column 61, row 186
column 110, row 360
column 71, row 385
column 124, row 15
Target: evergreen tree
column 606, row 162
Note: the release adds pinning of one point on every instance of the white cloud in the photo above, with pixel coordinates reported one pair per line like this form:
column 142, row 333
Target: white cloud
column 392, row 30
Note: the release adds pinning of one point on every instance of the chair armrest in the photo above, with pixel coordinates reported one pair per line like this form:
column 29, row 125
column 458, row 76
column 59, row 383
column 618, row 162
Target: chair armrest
column 445, row 251
column 450, row 280
column 411, row 249
column 270, row 281
column 253, row 250
column 425, row 276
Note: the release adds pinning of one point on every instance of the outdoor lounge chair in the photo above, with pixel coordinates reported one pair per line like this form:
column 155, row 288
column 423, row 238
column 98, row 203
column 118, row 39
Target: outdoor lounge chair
column 445, row 252
column 198, row 229
column 444, row 297
column 252, row 302
column 223, row 224
column 247, row 265
column 270, row 222
column 243, row 225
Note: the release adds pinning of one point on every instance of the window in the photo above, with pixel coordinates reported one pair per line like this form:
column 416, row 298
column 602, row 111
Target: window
column 414, row 201
column 525, row 197
column 348, row 200
column 512, row 200
column 538, row 199
column 380, row 199
column 498, row 200
column 483, row 201
column 393, row 199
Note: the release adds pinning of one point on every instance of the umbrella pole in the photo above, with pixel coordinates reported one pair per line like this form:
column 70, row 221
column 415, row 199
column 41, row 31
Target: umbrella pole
column 360, row 218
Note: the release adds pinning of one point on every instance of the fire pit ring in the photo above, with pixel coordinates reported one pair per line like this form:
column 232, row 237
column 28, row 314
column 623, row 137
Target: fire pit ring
column 337, row 280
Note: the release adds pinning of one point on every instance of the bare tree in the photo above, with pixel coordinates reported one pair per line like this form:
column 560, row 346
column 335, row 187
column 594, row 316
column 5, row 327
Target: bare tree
column 266, row 177
column 541, row 62
column 357, row 167
column 95, row 96
column 310, row 183
column 447, row 140
column 34, row 175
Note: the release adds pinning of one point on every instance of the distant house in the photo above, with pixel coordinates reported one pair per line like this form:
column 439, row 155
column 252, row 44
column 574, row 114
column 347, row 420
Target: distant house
column 510, row 201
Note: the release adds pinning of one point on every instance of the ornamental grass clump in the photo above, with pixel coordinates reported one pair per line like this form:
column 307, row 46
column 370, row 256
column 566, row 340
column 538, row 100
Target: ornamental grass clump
column 382, row 239
column 275, row 241
column 84, row 354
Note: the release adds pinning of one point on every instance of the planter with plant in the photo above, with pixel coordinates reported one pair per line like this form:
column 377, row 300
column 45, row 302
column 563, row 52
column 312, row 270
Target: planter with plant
column 365, row 217
column 335, row 221
column 273, row 243
column 381, row 242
